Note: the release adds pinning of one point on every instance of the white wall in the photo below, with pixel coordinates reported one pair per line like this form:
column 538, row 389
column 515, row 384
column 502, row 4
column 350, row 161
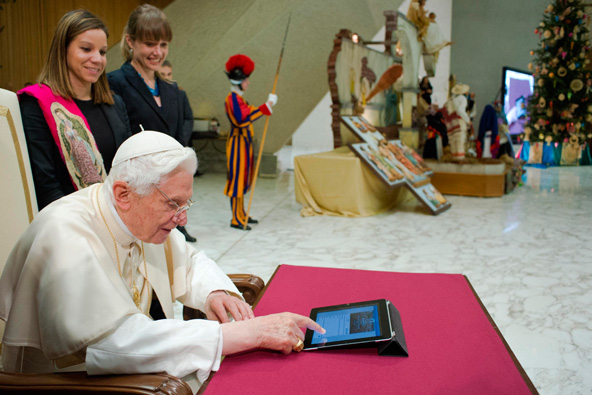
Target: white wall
column 489, row 35
column 315, row 134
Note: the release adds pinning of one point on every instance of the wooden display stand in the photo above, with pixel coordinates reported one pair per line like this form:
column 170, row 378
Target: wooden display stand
column 481, row 185
column 487, row 178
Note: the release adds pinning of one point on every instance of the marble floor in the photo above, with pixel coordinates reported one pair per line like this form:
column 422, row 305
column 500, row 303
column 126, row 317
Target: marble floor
column 527, row 254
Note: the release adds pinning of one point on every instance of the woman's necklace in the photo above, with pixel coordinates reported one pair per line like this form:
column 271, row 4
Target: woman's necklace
column 135, row 292
column 155, row 91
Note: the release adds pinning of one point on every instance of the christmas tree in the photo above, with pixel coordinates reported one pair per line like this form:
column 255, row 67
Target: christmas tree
column 561, row 105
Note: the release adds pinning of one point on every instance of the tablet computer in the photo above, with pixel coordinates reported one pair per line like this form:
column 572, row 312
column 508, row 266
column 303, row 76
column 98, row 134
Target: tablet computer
column 350, row 324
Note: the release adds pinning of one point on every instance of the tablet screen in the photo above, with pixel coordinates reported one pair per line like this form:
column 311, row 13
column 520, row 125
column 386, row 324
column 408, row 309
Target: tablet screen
column 347, row 324
column 352, row 323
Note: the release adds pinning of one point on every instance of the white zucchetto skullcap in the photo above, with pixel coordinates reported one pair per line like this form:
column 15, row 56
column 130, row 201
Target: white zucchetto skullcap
column 144, row 143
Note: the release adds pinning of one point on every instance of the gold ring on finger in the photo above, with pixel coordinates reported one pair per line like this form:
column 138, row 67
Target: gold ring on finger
column 299, row 346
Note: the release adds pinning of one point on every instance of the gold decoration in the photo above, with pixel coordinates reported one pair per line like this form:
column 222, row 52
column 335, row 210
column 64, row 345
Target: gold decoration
column 549, row 112
column 541, row 82
column 572, row 66
column 562, row 71
column 541, row 136
column 561, row 97
column 547, row 34
column 576, row 85
column 542, row 102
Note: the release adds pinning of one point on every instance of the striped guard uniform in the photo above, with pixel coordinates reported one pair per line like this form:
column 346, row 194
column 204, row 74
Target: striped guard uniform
column 239, row 152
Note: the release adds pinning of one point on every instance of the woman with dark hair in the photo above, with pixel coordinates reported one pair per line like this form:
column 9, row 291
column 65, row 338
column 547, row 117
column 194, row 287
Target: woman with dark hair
column 72, row 102
column 153, row 103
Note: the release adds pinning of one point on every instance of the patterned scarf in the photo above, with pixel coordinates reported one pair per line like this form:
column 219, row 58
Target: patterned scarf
column 71, row 133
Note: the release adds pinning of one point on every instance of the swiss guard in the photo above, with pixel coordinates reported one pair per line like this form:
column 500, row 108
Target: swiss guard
column 239, row 148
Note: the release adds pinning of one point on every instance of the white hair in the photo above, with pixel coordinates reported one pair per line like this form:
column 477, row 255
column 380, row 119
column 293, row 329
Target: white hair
column 142, row 172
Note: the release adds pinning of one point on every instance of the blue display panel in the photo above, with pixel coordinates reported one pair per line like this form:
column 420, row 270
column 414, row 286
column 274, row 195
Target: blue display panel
column 347, row 324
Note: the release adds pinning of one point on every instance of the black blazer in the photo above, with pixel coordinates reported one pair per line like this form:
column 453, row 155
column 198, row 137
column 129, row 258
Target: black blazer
column 142, row 108
column 50, row 174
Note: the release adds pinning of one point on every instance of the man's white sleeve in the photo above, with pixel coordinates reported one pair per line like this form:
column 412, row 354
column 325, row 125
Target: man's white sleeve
column 140, row 345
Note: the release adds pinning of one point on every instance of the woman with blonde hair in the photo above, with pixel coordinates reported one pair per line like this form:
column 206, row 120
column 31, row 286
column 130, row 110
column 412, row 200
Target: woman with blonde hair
column 152, row 102
column 72, row 89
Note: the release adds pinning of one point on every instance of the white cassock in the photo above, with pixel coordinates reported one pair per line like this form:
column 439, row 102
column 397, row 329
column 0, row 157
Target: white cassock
column 65, row 302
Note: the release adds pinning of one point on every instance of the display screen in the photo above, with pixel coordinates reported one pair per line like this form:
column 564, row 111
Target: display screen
column 517, row 87
column 347, row 324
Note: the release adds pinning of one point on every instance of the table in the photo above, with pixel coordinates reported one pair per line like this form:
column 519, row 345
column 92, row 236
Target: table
column 210, row 148
column 454, row 346
column 338, row 183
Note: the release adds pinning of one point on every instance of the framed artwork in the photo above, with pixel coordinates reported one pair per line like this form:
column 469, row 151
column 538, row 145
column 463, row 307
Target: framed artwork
column 392, row 161
column 391, row 173
column 431, row 198
column 395, row 163
column 362, row 129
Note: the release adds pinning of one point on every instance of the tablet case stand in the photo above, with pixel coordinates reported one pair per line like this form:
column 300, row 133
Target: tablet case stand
column 395, row 347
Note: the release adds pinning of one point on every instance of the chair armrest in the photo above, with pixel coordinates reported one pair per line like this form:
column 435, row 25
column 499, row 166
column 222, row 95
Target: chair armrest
column 81, row 383
column 249, row 285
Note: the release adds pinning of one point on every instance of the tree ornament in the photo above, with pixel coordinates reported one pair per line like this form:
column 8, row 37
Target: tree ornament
column 542, row 102
column 551, row 75
column 541, row 82
column 576, row 85
column 541, row 136
column 569, row 95
column 562, row 71
column 549, row 112
column 561, row 97
column 572, row 66
column 530, row 67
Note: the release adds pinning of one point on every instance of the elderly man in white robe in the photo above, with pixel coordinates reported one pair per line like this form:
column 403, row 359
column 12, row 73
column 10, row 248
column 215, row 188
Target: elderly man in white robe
column 77, row 288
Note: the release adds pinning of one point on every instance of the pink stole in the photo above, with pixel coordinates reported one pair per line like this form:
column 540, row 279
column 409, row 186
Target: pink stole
column 71, row 133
